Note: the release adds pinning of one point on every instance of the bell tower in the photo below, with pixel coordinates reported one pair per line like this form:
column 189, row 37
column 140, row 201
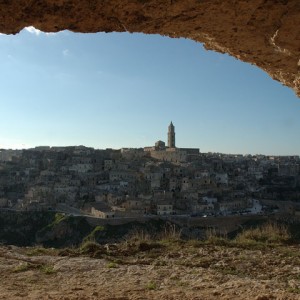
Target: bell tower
column 171, row 136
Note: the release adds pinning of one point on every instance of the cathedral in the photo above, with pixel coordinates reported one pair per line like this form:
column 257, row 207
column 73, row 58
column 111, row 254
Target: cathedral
column 171, row 153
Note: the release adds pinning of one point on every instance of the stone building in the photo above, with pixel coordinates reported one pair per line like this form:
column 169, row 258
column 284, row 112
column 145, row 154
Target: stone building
column 171, row 153
column 171, row 136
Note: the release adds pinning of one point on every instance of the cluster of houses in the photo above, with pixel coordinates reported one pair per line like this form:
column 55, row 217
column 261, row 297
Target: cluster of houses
column 135, row 182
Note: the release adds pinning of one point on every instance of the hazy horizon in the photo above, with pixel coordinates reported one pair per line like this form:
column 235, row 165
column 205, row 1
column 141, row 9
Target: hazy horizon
column 201, row 152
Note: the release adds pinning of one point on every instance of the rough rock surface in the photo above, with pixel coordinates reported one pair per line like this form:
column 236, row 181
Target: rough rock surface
column 265, row 33
column 189, row 272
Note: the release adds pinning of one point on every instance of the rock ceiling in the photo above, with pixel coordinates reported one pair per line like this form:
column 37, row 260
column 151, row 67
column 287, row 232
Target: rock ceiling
column 265, row 33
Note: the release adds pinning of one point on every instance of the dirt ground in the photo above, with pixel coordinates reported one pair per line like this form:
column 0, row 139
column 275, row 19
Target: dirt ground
column 180, row 272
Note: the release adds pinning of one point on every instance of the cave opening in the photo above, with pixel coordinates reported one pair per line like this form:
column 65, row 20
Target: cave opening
column 120, row 90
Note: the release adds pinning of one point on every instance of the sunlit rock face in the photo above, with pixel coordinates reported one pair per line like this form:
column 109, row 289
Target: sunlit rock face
column 265, row 33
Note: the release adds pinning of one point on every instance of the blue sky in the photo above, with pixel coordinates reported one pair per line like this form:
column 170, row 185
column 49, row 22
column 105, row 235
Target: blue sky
column 122, row 90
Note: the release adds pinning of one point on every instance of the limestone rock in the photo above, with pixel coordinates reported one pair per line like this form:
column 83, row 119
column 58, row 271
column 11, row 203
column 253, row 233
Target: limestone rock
column 265, row 33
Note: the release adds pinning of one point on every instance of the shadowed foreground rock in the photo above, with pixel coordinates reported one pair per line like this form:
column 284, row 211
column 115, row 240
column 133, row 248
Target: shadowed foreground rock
column 265, row 33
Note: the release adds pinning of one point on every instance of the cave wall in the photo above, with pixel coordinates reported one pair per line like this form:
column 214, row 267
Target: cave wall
column 265, row 33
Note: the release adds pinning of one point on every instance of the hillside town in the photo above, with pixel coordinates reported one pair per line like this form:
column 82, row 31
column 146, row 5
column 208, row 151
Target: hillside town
column 158, row 180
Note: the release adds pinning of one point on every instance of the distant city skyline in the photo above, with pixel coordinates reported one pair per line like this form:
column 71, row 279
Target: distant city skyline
column 122, row 90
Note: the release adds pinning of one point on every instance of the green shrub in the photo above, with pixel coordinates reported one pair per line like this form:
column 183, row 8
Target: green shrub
column 92, row 249
column 93, row 234
column 112, row 265
column 47, row 269
column 151, row 285
column 22, row 267
column 36, row 251
column 58, row 218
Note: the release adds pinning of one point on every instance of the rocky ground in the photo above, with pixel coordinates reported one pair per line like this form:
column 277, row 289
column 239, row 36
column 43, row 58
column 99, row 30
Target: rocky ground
column 164, row 270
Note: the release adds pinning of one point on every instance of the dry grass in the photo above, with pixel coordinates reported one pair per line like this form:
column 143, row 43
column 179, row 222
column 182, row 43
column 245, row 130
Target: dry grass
column 171, row 232
column 257, row 254
column 212, row 236
column 269, row 233
column 169, row 241
column 39, row 251
column 92, row 249
column 22, row 267
column 25, row 266
column 139, row 235
column 48, row 269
